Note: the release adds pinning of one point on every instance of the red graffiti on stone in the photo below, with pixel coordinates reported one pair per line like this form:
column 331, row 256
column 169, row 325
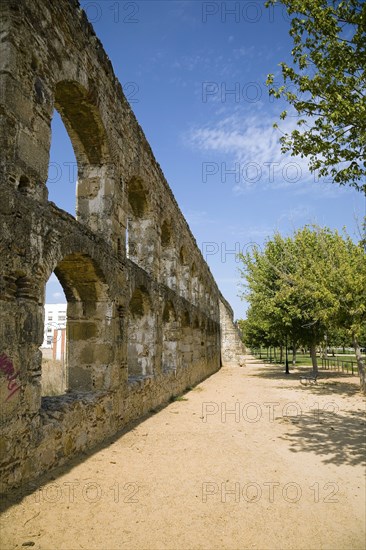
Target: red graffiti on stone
column 7, row 368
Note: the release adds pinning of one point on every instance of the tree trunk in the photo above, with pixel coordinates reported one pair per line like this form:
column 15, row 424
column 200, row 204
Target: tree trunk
column 281, row 354
column 360, row 365
column 294, row 354
column 314, row 358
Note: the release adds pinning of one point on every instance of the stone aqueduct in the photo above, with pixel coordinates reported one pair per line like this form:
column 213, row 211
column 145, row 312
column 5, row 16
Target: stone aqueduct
column 142, row 326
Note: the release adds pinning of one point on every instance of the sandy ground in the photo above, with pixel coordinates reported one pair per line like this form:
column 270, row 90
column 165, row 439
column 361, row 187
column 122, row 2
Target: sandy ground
column 250, row 459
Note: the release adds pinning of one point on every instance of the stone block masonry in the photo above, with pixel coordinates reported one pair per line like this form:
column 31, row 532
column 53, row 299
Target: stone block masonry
column 143, row 310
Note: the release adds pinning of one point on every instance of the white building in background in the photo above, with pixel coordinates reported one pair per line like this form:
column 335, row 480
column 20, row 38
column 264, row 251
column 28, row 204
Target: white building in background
column 54, row 320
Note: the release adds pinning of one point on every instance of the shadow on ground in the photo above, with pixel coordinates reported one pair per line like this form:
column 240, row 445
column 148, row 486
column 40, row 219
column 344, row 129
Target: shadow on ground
column 328, row 383
column 338, row 438
column 327, row 386
column 17, row 494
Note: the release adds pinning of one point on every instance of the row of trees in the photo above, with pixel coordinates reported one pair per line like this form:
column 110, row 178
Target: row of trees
column 305, row 287
column 313, row 284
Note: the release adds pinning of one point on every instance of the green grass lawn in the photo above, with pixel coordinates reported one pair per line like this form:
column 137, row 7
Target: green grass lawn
column 305, row 359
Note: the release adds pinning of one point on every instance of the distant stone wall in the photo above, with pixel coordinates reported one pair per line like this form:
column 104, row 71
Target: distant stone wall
column 232, row 347
column 143, row 317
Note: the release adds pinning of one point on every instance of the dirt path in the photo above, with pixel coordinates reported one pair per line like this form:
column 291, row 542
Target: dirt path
column 251, row 459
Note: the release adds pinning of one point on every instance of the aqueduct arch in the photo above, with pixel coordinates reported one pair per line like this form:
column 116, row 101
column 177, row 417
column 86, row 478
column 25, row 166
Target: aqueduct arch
column 143, row 326
column 88, row 136
column 141, row 337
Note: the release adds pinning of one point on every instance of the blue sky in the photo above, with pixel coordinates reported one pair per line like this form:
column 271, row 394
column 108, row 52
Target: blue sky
column 194, row 73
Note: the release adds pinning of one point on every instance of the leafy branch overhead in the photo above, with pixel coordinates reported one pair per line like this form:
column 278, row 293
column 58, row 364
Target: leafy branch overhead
column 326, row 86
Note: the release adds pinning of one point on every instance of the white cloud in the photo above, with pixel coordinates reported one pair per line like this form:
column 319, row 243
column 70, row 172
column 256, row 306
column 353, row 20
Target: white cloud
column 248, row 53
column 248, row 156
column 253, row 151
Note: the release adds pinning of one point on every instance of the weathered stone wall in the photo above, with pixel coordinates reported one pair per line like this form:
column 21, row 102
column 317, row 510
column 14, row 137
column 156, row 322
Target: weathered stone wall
column 142, row 306
column 232, row 347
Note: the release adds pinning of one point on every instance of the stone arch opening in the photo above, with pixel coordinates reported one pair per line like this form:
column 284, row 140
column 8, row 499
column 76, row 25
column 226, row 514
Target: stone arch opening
column 211, row 336
column 90, row 324
column 184, row 274
column 139, row 240
column 170, row 338
column 206, row 297
column 186, row 341
column 194, row 284
column 82, row 121
column 197, row 339
column 54, row 373
column 168, row 263
column 204, row 337
column 200, row 292
column 25, row 185
column 212, row 304
column 62, row 167
column 95, row 175
column 141, row 341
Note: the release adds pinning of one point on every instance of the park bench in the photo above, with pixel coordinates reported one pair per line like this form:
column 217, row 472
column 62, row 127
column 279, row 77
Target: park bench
column 308, row 379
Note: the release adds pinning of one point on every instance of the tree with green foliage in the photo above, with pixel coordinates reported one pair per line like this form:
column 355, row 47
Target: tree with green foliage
column 285, row 291
column 326, row 87
column 335, row 337
column 300, row 288
column 347, row 276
